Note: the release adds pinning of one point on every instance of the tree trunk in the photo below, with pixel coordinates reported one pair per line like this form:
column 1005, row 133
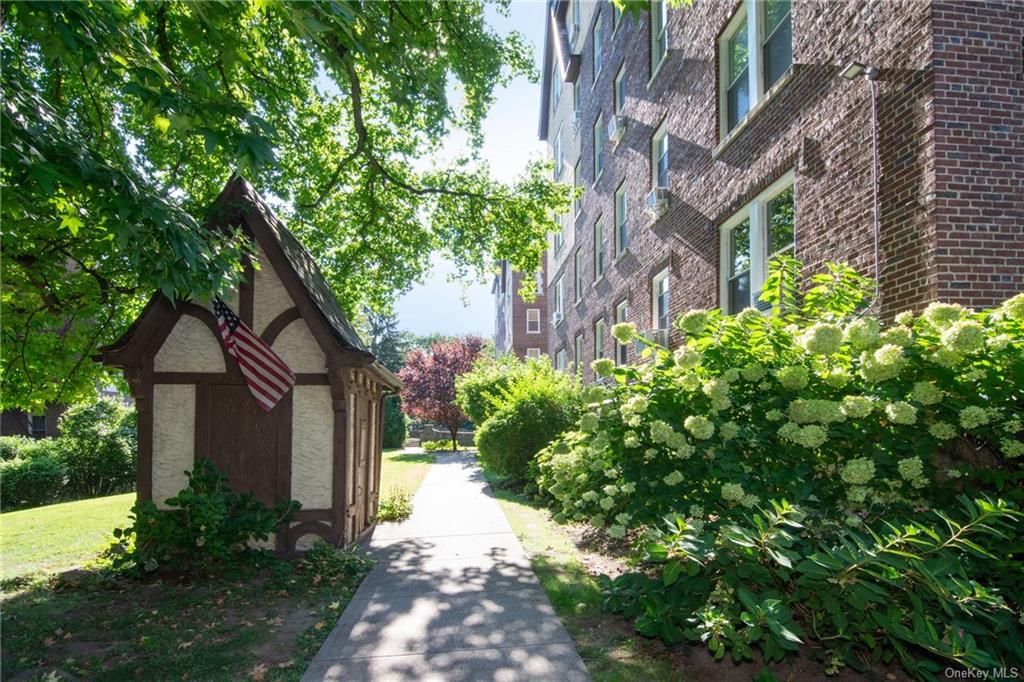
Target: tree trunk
column 454, row 430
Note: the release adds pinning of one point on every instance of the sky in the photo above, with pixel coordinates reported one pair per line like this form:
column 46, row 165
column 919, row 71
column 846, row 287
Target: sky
column 510, row 141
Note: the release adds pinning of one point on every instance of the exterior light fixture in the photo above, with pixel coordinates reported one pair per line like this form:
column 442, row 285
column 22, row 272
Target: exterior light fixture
column 855, row 69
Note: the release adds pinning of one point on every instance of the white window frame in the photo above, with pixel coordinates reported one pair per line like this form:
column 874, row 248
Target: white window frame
column 557, row 153
column 621, row 220
column 559, row 300
column 533, row 320
column 757, row 211
column 539, row 277
column 556, row 87
column 599, row 338
column 558, row 238
column 619, row 90
column 622, row 315
column 598, row 249
column 560, row 359
column 533, row 353
column 659, row 9
column 598, row 140
column 574, row 29
column 753, row 11
column 656, row 281
column 658, row 140
column 577, row 351
column 597, row 34
column 577, row 184
column 578, row 276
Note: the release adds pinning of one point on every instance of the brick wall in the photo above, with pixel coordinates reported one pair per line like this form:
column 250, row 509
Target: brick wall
column 817, row 124
column 512, row 316
column 979, row 125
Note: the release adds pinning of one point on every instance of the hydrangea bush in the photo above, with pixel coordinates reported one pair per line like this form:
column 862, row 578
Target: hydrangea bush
column 817, row 404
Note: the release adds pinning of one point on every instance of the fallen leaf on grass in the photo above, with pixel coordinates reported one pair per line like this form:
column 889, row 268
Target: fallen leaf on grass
column 287, row 664
column 247, row 624
column 259, row 671
column 49, row 641
column 185, row 645
column 320, row 625
column 335, row 605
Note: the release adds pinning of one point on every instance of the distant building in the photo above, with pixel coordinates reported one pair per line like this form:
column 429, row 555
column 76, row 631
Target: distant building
column 31, row 425
column 520, row 327
column 710, row 137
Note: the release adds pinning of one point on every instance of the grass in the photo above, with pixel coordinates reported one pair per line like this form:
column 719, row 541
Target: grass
column 608, row 645
column 59, row 536
column 265, row 626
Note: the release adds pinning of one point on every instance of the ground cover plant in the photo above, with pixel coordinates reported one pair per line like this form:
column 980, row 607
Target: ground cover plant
column 396, row 505
column 814, row 480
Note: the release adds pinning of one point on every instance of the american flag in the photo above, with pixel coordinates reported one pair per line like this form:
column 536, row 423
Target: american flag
column 267, row 375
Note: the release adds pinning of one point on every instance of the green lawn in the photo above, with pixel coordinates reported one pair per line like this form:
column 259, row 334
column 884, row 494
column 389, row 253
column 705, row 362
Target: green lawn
column 59, row 536
column 608, row 645
column 403, row 470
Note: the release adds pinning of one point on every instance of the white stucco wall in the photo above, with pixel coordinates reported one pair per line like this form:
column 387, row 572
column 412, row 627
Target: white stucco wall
column 174, row 428
column 299, row 349
column 270, row 298
column 190, row 347
column 312, row 446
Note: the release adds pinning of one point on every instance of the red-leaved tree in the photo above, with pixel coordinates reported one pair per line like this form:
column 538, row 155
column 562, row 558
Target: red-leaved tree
column 428, row 380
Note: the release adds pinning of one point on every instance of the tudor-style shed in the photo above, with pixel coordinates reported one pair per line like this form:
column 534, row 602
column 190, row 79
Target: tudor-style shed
column 320, row 445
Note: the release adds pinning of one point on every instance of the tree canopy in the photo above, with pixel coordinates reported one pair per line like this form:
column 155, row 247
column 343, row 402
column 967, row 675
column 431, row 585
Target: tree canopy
column 121, row 121
column 428, row 380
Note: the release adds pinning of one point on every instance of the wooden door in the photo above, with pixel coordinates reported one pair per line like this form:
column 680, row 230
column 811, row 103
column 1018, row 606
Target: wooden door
column 247, row 444
column 359, row 469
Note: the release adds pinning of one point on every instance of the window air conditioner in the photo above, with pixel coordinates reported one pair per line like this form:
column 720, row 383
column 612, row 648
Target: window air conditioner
column 556, row 317
column 657, row 200
column 616, row 128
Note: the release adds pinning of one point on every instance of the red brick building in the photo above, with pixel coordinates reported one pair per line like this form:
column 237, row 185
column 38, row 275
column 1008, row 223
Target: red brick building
column 711, row 137
column 520, row 326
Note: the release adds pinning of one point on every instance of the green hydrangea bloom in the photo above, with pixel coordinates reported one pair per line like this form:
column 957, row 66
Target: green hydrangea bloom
column 793, row 377
column 883, row 364
column 602, row 367
column 624, row 332
column 822, row 338
column 686, row 357
column 941, row 315
column 1014, row 307
column 862, row 333
column 753, row 372
column 927, row 393
column 616, row 531
column 729, row 430
column 857, row 471
column 897, row 336
column 857, row 406
column 942, row 430
column 674, row 478
column 732, row 492
column 964, row 337
column 693, row 322
column 700, row 427
column 816, row 411
column 972, row 417
column 901, row 412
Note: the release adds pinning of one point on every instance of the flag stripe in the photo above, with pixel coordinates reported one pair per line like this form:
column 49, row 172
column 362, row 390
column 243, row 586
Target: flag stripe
column 266, row 374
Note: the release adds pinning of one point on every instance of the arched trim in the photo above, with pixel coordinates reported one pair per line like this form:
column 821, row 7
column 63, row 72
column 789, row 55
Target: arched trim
column 278, row 324
column 207, row 318
column 305, row 528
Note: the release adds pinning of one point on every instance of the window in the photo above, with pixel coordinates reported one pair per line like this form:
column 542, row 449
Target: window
column 556, row 152
column 575, row 19
column 616, row 17
column 559, row 237
column 659, row 301
column 659, row 157
column 577, row 355
column 576, row 102
column 620, row 90
column 599, row 339
column 756, row 49
column 560, row 360
column 659, row 34
column 577, row 182
column 533, row 320
column 621, row 226
column 539, row 277
column 556, row 87
column 533, row 353
column 621, row 349
column 598, row 250
column 598, row 46
column 38, row 426
column 760, row 231
column 559, row 302
column 577, row 284
column 598, row 147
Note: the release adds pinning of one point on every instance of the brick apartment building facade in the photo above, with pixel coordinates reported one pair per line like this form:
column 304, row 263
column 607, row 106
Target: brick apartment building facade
column 740, row 112
column 520, row 326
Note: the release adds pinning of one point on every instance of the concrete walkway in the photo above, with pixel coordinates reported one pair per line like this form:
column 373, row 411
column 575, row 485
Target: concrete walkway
column 452, row 597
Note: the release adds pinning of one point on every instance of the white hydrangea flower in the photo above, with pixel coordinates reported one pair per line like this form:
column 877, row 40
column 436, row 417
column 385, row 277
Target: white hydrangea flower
column 687, row 357
column 862, row 333
column 773, row 415
column 590, row 496
column 611, row 490
column 753, row 372
column 910, row 468
column 749, row 500
column 700, row 427
column 749, row 316
column 597, row 520
column 602, row 367
column 1012, row 448
column 1014, row 307
column 616, row 531
column 674, row 478
column 624, row 332
column 730, row 375
column 816, row 411
column 607, row 503
column 999, row 342
column 589, row 421
column 1013, row 425
column 973, row 416
column 857, row 406
column 905, row 318
column 631, row 440
column 822, row 338
column 857, row 493
column 964, row 337
column 623, row 519
column 689, row 382
column 793, row 377
column 693, row 322
column 696, row 510
column 628, row 488
column 941, row 315
column 732, row 492
column 942, row 431
column 927, row 393
column 729, row 430
column 947, row 357
column 897, row 336
column 901, row 412
column 885, row 363
column 837, row 377
column 717, row 387
column 857, row 471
